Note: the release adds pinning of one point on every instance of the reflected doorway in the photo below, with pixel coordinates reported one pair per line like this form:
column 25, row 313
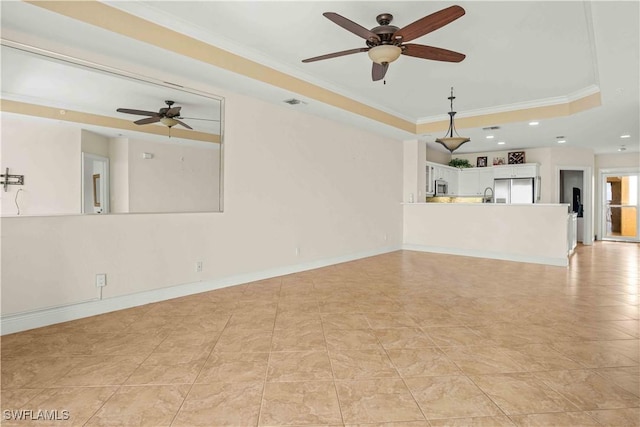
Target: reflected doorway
column 620, row 205
column 95, row 184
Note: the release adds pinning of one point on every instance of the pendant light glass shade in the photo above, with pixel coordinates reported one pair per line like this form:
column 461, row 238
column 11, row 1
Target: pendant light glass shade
column 452, row 143
column 449, row 141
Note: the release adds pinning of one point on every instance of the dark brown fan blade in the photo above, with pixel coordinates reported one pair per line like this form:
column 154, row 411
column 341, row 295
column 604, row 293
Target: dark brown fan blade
column 138, row 112
column 349, row 25
column 173, row 111
column 196, row 118
column 378, row 71
column 336, row 54
column 147, row 120
column 429, row 23
column 183, row 124
column 430, row 52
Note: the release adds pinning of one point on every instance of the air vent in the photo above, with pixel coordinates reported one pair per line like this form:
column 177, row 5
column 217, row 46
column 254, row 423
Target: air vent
column 293, row 101
column 491, row 128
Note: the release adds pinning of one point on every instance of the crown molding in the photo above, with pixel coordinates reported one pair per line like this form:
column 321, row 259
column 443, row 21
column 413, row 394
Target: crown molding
column 526, row 105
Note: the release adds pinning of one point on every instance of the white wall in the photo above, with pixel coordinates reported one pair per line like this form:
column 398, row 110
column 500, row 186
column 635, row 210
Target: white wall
column 291, row 181
column 183, row 177
column 621, row 160
column 437, row 156
column 413, row 165
column 48, row 155
column 119, row 176
column 93, row 143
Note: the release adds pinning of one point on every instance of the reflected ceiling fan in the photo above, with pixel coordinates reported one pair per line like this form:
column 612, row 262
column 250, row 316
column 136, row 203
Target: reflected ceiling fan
column 168, row 116
column 386, row 42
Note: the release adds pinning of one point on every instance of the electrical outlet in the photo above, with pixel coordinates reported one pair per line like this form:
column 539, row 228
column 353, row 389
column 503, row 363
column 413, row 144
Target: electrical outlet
column 101, row 280
column 297, row 251
column 199, row 267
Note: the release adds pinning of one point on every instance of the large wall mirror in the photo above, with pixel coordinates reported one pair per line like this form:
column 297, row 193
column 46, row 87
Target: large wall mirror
column 87, row 139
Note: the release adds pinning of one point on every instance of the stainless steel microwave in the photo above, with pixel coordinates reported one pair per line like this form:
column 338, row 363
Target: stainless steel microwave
column 441, row 187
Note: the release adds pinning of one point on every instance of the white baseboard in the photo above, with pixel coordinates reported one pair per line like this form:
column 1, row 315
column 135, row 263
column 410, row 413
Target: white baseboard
column 38, row 318
column 560, row 262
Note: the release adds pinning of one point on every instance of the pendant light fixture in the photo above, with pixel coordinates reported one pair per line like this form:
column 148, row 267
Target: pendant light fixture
column 451, row 142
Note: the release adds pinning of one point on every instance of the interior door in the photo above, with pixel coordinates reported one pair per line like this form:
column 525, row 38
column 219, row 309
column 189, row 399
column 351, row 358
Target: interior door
column 620, row 205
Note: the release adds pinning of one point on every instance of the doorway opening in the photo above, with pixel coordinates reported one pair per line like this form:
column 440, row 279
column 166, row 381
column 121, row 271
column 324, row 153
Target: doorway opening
column 620, row 194
column 95, row 184
column 575, row 189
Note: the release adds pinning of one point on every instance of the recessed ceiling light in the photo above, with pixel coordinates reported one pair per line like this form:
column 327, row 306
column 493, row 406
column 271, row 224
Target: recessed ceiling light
column 625, row 136
column 489, row 136
column 501, row 143
column 534, row 123
column 562, row 141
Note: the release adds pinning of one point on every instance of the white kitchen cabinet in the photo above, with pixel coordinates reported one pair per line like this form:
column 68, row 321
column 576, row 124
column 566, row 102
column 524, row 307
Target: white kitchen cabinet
column 451, row 176
column 436, row 171
column 526, row 170
column 429, row 174
column 467, row 182
column 473, row 181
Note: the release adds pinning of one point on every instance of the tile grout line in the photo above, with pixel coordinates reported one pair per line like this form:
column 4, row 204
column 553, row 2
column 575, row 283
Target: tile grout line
column 266, row 373
column 333, row 374
column 175, row 416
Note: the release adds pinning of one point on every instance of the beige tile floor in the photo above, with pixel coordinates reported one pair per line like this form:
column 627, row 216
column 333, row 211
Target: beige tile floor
column 402, row 339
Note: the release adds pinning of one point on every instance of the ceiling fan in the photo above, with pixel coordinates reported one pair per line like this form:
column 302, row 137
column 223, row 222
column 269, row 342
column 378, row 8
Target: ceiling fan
column 168, row 116
column 386, row 42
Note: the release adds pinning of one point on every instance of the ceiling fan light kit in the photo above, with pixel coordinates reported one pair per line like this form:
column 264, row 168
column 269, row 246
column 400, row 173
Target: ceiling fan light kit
column 168, row 121
column 386, row 42
column 449, row 141
column 384, row 53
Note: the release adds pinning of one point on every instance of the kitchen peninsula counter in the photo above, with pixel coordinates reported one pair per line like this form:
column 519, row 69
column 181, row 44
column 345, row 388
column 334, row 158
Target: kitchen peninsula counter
column 537, row 233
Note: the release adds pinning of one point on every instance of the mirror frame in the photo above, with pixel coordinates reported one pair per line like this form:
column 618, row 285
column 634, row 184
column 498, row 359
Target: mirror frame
column 119, row 73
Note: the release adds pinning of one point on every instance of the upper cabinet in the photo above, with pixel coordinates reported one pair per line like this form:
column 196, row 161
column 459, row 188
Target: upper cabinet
column 526, row 170
column 437, row 171
column 474, row 181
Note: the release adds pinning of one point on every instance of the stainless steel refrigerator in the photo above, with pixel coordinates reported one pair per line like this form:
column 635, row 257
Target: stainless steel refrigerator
column 514, row 190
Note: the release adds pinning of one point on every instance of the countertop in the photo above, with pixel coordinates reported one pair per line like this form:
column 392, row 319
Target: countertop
column 507, row 205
